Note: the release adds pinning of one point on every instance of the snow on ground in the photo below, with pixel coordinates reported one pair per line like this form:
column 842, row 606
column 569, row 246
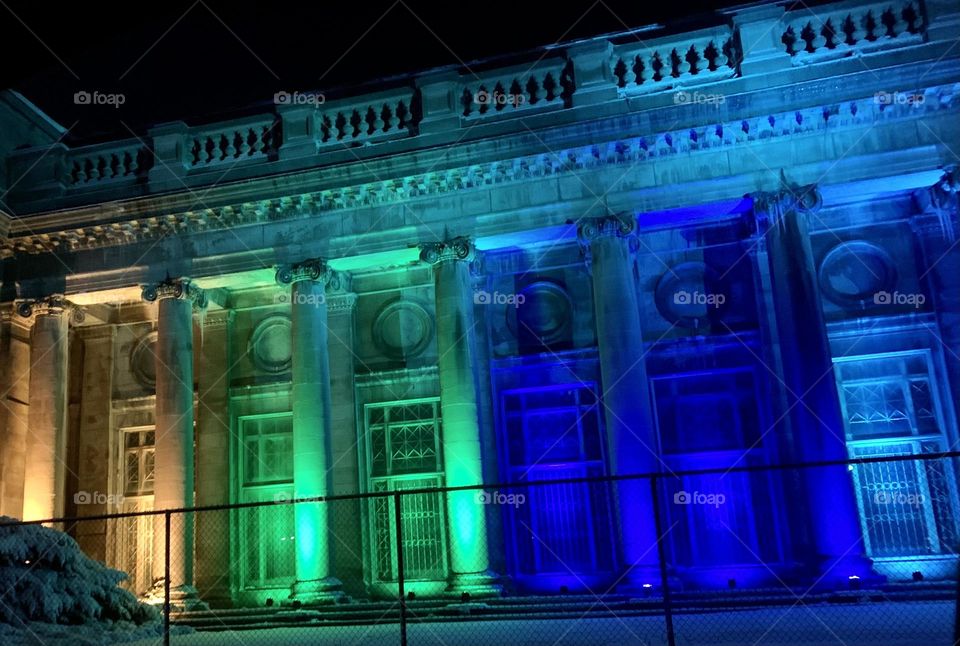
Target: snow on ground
column 876, row 624
column 43, row 634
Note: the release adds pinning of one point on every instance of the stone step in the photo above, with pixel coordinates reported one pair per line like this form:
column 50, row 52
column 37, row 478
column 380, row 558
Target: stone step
column 353, row 613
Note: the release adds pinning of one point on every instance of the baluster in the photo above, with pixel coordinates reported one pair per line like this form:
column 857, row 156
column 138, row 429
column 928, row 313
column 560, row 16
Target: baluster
column 384, row 122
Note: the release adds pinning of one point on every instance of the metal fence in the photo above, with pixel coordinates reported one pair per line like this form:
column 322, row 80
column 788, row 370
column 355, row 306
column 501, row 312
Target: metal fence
column 733, row 554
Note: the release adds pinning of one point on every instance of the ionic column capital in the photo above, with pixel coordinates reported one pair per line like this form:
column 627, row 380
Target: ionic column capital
column 178, row 288
column 457, row 248
column 313, row 269
column 619, row 225
column 52, row 305
column 938, row 206
column 769, row 207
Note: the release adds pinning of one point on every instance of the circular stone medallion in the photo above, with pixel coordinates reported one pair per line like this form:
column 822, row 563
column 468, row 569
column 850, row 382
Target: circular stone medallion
column 143, row 362
column 853, row 272
column 689, row 294
column 402, row 329
column 270, row 344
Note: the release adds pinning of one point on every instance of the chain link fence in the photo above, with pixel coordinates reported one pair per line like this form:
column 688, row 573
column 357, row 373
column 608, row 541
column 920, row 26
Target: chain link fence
column 856, row 552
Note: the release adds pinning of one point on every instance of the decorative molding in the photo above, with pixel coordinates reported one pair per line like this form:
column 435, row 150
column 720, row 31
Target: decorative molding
column 216, row 319
column 180, row 288
column 94, row 332
column 53, row 305
column 341, row 302
column 829, row 117
column 399, row 377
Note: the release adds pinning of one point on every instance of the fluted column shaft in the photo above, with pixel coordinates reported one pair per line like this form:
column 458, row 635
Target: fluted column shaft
column 174, row 416
column 462, row 458
column 813, row 403
column 609, row 244
column 312, row 428
column 45, row 469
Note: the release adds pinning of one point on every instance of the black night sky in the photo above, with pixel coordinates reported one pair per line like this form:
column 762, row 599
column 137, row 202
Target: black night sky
column 200, row 60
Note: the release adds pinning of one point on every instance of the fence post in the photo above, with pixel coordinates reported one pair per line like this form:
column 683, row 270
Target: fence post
column 403, row 599
column 662, row 557
column 166, row 578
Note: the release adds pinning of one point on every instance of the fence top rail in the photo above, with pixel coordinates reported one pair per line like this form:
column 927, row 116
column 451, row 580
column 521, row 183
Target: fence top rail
column 653, row 475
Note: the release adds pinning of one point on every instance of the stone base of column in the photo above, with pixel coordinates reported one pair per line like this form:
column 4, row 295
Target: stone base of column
column 642, row 581
column 184, row 598
column 847, row 573
column 317, row 591
column 475, row 584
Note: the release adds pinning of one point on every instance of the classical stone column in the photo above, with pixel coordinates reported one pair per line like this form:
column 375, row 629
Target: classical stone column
column 462, row 464
column 312, row 428
column 813, row 404
column 45, row 464
column 609, row 244
column 173, row 458
column 936, row 227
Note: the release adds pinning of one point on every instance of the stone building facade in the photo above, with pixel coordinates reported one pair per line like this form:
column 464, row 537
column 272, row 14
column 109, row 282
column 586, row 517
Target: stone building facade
column 677, row 250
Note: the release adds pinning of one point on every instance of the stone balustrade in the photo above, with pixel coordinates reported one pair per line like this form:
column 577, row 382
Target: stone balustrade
column 232, row 143
column 111, row 162
column 372, row 118
column 851, row 26
column 642, row 65
column 298, row 135
column 522, row 89
column 623, row 151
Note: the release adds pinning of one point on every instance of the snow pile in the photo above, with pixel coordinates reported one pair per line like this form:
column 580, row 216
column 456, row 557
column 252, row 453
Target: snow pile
column 45, row 577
